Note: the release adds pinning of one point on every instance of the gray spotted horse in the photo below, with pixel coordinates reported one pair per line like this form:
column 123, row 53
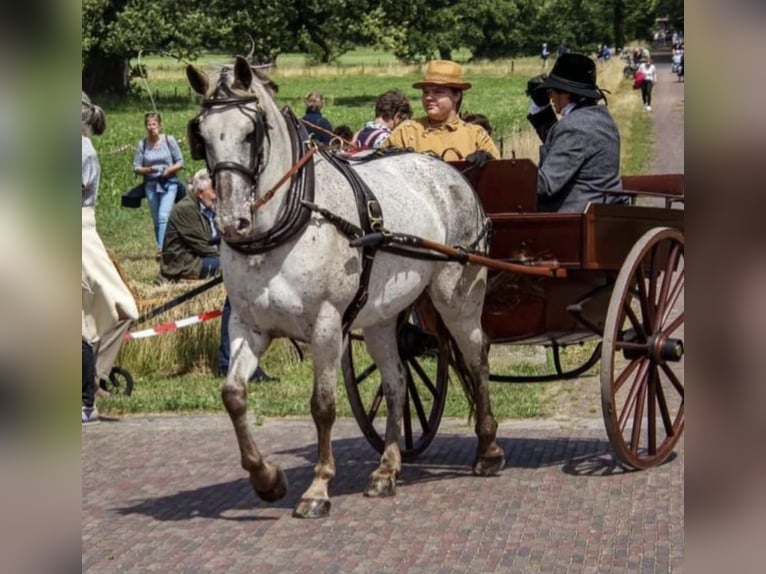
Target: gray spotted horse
column 295, row 264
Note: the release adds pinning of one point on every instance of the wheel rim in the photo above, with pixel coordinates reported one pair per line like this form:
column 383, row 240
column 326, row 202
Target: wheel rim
column 120, row 382
column 642, row 383
column 426, row 392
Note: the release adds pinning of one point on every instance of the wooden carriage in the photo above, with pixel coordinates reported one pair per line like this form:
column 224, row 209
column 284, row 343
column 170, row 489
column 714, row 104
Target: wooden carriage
column 623, row 287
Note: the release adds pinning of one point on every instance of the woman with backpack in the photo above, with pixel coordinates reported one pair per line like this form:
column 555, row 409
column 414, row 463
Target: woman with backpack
column 158, row 159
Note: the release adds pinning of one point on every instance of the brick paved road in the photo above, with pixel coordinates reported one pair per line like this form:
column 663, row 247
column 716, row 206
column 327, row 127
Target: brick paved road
column 166, row 494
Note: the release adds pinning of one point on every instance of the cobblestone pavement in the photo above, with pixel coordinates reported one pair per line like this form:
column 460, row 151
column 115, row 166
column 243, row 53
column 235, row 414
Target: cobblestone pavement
column 167, row 494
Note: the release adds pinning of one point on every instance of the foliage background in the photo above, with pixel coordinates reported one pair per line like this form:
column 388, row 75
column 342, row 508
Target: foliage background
column 113, row 31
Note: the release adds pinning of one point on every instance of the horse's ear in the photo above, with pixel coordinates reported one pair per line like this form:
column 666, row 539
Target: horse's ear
column 198, row 80
column 242, row 72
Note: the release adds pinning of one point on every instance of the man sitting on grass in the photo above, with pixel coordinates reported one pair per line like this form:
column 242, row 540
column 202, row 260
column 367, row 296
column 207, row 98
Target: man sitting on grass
column 190, row 250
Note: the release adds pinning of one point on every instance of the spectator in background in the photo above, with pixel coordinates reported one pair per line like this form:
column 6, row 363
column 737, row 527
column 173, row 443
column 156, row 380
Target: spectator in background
column 545, row 53
column 580, row 156
column 108, row 306
column 649, row 71
column 344, row 132
column 563, row 49
column 191, row 243
column 158, row 159
column 391, row 109
column 442, row 132
column 314, row 118
column 479, row 120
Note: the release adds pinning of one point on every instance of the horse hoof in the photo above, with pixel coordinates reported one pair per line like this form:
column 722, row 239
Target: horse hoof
column 276, row 492
column 381, row 487
column 489, row 465
column 312, row 508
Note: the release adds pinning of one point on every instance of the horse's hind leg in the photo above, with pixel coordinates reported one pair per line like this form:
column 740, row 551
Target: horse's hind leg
column 268, row 480
column 382, row 346
column 459, row 300
column 326, row 348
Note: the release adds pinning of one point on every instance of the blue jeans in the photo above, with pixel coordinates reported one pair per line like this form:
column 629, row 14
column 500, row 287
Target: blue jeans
column 223, row 348
column 210, row 266
column 161, row 199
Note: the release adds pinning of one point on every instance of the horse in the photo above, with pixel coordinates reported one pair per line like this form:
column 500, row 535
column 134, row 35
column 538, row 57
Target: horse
column 286, row 212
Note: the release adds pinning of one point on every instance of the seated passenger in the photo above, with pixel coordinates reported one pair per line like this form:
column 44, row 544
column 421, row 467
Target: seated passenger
column 580, row 156
column 442, row 132
column 191, row 240
column 391, row 109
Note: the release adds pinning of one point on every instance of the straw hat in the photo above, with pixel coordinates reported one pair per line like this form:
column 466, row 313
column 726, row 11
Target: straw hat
column 443, row 73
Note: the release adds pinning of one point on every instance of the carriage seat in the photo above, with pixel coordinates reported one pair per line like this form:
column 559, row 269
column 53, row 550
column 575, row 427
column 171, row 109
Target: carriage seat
column 503, row 185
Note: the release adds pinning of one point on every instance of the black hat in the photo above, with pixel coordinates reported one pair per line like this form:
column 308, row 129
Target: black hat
column 575, row 74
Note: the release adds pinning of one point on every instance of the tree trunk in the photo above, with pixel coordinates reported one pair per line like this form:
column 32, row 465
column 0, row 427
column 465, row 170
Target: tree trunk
column 619, row 24
column 445, row 53
column 105, row 74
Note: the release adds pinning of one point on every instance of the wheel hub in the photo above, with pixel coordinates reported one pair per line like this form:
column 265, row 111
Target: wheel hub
column 668, row 350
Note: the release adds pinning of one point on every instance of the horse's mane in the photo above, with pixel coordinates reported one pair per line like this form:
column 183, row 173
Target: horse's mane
column 225, row 85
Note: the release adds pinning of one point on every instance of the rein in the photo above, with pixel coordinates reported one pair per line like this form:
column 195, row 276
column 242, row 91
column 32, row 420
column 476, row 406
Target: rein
column 266, row 197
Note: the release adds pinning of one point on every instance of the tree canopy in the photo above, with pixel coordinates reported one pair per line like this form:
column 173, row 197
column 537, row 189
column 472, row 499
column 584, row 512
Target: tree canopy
column 113, row 31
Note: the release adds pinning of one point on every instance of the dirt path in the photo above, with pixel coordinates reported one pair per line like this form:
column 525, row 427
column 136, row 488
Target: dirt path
column 572, row 401
column 668, row 113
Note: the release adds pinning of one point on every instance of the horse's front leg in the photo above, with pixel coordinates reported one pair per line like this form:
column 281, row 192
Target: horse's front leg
column 326, row 348
column 268, row 480
column 382, row 346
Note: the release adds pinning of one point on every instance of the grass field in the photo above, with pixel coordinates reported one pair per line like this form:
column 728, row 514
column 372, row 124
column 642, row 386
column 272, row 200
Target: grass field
column 174, row 372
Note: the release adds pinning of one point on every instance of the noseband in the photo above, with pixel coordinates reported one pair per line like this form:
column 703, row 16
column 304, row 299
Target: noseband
column 259, row 131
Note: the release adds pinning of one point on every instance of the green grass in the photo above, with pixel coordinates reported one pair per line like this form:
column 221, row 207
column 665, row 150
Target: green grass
column 173, row 371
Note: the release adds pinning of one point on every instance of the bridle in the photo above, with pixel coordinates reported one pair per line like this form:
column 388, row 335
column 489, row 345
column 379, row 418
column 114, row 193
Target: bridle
column 293, row 217
column 258, row 118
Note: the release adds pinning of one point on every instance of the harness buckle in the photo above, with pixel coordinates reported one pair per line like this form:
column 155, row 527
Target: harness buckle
column 375, row 215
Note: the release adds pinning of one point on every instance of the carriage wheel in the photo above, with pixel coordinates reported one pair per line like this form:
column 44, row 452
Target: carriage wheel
column 642, row 382
column 426, row 393
column 120, row 382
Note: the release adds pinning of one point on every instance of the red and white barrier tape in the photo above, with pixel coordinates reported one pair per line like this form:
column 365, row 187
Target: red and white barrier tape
column 175, row 325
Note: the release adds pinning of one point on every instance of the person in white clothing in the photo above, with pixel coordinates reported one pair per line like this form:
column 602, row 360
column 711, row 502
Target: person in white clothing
column 650, row 77
column 108, row 306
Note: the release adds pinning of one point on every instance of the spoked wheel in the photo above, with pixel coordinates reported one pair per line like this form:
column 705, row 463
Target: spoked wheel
column 426, row 361
column 642, row 380
column 120, row 382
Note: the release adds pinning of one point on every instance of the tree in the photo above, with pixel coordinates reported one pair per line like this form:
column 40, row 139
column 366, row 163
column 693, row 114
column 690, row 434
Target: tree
column 113, row 31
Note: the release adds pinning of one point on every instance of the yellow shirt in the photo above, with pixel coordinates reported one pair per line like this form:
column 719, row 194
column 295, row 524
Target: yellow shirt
column 443, row 140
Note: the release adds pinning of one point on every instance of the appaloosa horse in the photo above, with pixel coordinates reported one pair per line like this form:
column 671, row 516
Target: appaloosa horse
column 286, row 212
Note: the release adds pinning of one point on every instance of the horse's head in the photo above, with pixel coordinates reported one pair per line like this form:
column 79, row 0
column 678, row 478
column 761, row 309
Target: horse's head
column 230, row 134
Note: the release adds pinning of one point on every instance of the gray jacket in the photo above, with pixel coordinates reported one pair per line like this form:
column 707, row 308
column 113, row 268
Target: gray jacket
column 579, row 159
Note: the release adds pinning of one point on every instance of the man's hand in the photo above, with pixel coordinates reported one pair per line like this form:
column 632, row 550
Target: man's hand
column 538, row 94
column 479, row 158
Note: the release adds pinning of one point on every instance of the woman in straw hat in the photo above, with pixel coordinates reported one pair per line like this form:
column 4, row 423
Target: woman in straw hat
column 442, row 131
column 580, row 156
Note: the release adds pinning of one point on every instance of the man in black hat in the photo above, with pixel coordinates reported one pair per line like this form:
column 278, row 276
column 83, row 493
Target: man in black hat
column 580, row 155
